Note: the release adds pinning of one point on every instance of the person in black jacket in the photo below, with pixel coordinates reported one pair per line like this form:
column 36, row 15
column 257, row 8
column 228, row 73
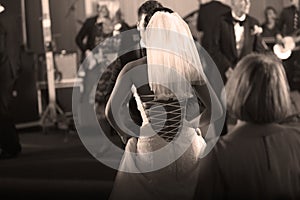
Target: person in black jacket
column 208, row 16
column 9, row 141
column 95, row 29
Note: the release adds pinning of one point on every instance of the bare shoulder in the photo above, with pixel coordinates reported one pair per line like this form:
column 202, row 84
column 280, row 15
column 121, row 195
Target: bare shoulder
column 134, row 64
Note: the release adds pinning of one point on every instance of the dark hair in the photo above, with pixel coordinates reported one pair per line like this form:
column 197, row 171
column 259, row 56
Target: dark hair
column 258, row 91
column 103, row 7
column 148, row 6
column 267, row 9
column 149, row 16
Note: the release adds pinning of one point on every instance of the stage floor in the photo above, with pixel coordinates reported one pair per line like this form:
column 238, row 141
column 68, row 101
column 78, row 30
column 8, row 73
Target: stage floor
column 54, row 165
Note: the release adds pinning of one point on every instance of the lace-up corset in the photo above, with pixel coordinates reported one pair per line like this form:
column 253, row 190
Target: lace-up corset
column 165, row 116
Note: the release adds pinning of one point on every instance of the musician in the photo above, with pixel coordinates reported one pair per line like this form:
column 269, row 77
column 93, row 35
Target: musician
column 289, row 25
column 95, row 29
column 289, row 20
column 270, row 26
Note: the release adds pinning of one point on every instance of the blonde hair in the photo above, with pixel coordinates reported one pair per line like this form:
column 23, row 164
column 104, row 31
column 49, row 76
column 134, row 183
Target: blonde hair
column 258, row 90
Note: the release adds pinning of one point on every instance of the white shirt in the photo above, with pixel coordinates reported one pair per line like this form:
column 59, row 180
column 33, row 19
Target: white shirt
column 239, row 32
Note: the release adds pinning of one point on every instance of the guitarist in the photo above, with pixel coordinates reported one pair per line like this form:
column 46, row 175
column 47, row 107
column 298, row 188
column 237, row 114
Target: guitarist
column 289, row 25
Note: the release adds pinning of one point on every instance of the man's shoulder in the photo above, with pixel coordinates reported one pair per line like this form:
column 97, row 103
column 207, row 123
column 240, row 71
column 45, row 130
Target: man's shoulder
column 227, row 16
column 287, row 11
column 252, row 20
column 214, row 4
column 91, row 19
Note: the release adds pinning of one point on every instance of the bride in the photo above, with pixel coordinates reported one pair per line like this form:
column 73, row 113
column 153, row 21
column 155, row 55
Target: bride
column 160, row 159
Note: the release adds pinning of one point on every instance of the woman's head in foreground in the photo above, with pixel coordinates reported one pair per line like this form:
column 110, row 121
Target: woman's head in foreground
column 258, row 91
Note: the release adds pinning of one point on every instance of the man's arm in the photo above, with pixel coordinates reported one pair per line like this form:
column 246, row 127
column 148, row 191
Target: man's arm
column 83, row 32
column 218, row 56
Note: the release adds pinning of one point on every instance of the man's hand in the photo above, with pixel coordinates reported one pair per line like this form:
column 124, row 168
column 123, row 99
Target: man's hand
column 279, row 39
column 88, row 52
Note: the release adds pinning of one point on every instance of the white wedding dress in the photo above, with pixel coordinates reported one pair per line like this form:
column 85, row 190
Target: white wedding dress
column 177, row 179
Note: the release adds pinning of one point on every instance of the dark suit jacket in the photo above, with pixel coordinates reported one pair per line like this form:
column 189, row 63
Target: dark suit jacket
column 224, row 50
column 253, row 162
column 9, row 55
column 86, row 31
column 208, row 16
column 9, row 66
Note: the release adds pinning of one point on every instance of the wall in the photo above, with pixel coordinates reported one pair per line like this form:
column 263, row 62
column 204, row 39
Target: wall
column 66, row 17
column 129, row 8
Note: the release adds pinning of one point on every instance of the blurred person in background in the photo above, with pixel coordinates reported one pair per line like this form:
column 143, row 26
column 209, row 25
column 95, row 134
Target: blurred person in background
column 95, row 29
column 270, row 27
column 289, row 27
column 208, row 15
column 9, row 141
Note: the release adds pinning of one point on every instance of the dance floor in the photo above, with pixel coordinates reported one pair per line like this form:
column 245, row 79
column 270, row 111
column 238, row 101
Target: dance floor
column 54, row 166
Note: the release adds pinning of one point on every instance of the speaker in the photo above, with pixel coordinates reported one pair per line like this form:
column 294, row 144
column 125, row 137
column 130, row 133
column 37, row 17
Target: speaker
column 67, row 65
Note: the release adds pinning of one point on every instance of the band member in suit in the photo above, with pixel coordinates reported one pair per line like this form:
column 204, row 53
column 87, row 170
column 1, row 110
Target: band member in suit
column 289, row 25
column 236, row 34
column 208, row 15
column 9, row 140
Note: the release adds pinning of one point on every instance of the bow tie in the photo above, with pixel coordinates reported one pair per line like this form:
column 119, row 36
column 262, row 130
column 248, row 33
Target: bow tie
column 238, row 21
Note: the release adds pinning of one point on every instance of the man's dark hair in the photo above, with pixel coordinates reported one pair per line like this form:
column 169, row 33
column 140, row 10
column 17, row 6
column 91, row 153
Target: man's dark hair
column 150, row 14
column 148, row 7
